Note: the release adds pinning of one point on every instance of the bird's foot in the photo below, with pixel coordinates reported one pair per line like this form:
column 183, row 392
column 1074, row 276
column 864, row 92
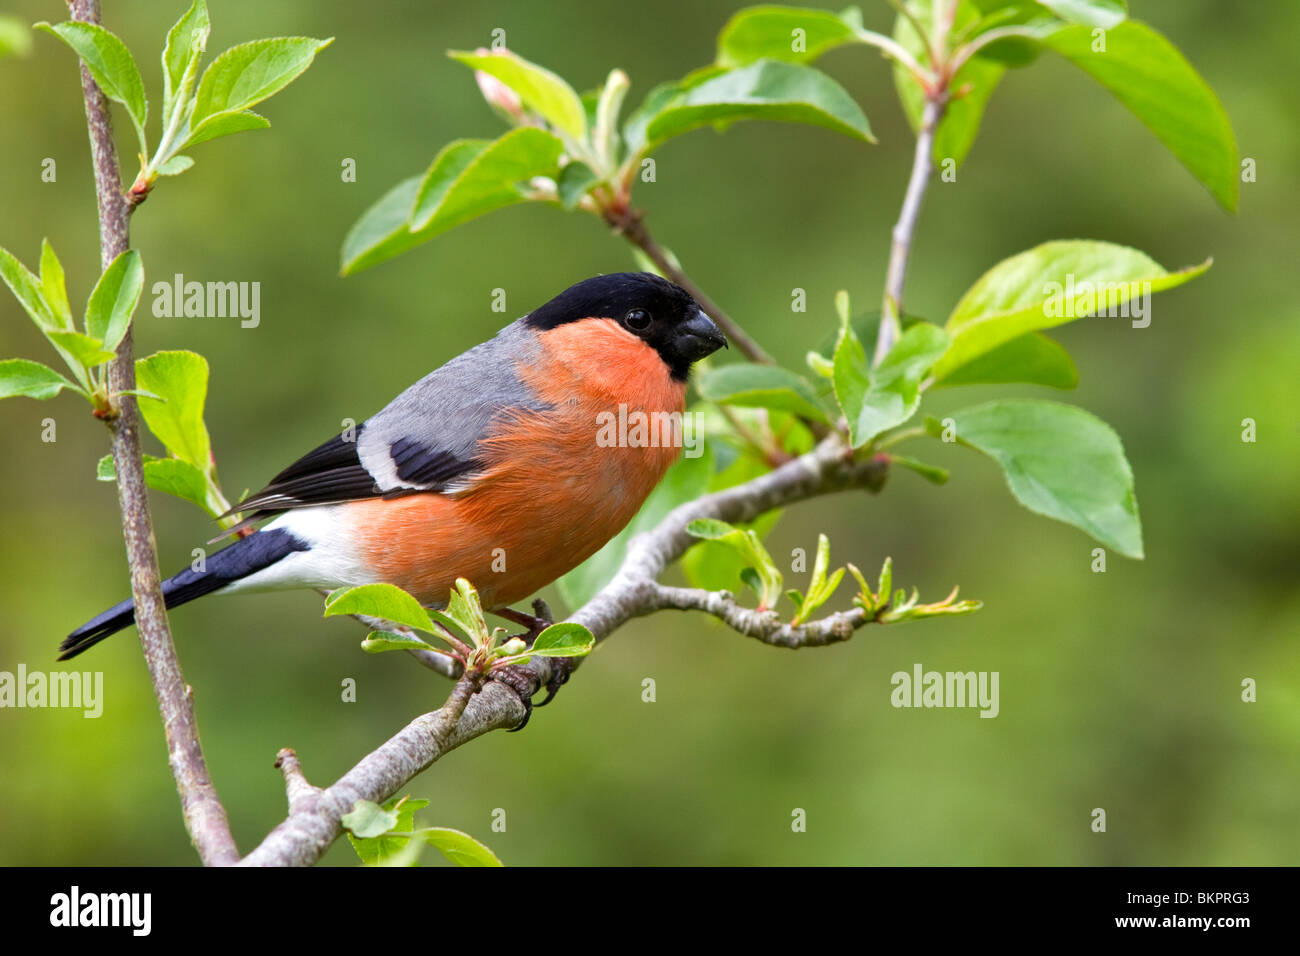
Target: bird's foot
column 522, row 680
column 525, row 682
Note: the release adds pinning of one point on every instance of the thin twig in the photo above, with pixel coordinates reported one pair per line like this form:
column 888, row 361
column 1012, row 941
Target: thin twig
column 901, row 247
column 204, row 815
column 945, row 19
column 765, row 626
column 895, row 51
column 297, row 790
column 631, row 225
column 915, row 23
column 964, row 53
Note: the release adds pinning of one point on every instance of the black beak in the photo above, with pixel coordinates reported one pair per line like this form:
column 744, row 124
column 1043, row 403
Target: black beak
column 698, row 336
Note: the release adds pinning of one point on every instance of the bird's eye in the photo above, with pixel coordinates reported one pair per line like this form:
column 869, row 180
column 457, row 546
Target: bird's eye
column 638, row 320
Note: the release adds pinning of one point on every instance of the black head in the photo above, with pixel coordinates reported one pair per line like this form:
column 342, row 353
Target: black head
column 653, row 309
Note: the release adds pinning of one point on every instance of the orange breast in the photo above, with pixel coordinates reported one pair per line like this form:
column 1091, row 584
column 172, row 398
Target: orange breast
column 558, row 484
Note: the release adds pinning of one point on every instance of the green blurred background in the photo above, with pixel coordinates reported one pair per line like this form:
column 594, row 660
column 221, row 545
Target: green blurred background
column 1118, row 690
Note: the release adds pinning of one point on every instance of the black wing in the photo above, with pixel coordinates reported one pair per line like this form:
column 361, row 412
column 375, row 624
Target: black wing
column 333, row 473
column 327, row 474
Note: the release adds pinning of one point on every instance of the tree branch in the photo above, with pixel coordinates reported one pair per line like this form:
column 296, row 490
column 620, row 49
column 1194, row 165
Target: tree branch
column 900, row 249
column 314, row 823
column 314, row 817
column 204, row 815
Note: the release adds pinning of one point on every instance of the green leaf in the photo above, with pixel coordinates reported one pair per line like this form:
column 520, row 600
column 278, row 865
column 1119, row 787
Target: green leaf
column 764, row 577
column 635, row 127
column 711, row 530
column 979, row 76
column 178, row 164
column 30, row 379
column 1031, row 358
column 820, row 588
column 86, row 350
column 575, row 179
column 454, row 190
column 30, row 292
column 1094, row 13
column 384, row 601
column 685, row 481
column 1062, row 462
column 180, row 380
column 541, row 91
column 874, row 400
column 931, row 473
column 378, row 850
column 377, row 642
column 223, row 124
column 114, row 298
column 604, row 133
column 766, row 90
column 768, row 32
column 1030, row 21
column 1147, row 74
column 27, row 289
column 109, row 62
column 368, row 819
column 183, row 480
column 761, row 386
column 566, row 639
column 54, row 287
column 245, row 75
column 381, row 231
column 465, row 614
column 465, row 183
column 459, row 848
column 820, row 365
column 1050, row 285
column 885, row 581
column 186, row 41
column 961, row 120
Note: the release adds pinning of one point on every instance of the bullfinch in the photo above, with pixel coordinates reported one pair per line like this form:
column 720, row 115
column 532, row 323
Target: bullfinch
column 490, row 468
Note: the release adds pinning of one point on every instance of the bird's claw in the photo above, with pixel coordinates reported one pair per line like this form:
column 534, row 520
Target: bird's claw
column 523, row 682
column 561, row 669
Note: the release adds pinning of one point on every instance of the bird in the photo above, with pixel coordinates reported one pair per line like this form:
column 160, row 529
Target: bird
column 491, row 468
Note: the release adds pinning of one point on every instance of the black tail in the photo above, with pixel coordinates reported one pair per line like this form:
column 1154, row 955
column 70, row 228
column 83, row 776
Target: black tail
column 259, row 550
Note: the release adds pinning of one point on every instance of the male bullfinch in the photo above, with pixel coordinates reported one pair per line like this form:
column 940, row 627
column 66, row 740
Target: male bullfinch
column 493, row 456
